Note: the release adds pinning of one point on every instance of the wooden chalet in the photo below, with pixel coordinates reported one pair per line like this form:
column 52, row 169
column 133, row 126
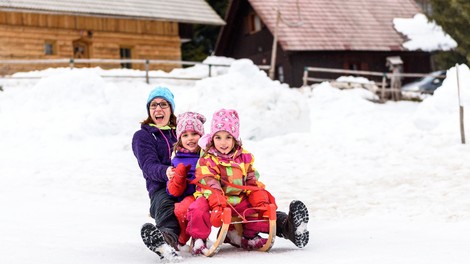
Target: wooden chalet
column 353, row 35
column 97, row 29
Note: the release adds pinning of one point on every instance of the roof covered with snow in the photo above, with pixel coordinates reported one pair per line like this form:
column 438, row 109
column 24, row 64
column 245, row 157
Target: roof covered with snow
column 184, row 11
column 336, row 24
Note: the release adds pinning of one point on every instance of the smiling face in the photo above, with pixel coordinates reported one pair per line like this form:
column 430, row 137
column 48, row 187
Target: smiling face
column 189, row 140
column 160, row 112
column 223, row 142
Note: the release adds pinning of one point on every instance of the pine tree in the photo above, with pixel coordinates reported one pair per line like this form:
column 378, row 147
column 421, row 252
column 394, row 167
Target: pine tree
column 204, row 36
column 454, row 18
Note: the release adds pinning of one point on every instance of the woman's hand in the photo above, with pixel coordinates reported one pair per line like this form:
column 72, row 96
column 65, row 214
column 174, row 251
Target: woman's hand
column 170, row 172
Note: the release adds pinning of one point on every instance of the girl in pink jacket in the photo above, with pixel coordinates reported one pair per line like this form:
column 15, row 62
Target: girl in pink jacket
column 227, row 170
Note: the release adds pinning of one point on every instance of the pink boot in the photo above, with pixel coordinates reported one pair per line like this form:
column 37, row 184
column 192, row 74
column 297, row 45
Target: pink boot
column 199, row 247
column 253, row 243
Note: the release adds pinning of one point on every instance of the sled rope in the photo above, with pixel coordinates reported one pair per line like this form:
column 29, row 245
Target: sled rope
column 196, row 182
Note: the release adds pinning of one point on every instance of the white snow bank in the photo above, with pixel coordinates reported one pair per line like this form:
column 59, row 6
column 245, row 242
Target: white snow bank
column 440, row 112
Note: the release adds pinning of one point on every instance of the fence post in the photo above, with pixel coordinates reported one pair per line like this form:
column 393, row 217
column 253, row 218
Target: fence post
column 210, row 70
column 71, row 63
column 382, row 91
column 305, row 76
column 462, row 128
column 147, row 71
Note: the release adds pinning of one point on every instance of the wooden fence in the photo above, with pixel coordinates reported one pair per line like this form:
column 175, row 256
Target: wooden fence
column 384, row 92
column 72, row 63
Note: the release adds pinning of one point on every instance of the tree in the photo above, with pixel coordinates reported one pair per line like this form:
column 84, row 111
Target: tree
column 204, row 37
column 454, row 18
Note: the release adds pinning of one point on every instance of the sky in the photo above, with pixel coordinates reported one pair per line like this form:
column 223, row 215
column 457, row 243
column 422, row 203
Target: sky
column 386, row 183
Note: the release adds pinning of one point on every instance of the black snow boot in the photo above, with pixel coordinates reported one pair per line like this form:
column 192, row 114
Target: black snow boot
column 294, row 225
column 155, row 241
column 171, row 239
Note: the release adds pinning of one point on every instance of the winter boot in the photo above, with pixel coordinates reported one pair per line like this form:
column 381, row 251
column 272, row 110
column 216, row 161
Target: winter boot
column 294, row 225
column 171, row 239
column 155, row 241
column 199, row 247
column 253, row 243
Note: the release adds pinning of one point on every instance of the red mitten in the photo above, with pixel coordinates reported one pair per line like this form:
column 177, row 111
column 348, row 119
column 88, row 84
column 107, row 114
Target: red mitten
column 217, row 203
column 181, row 170
column 261, row 198
column 258, row 198
column 217, row 199
column 216, row 216
column 177, row 184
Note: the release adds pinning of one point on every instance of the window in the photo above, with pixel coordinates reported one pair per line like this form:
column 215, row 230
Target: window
column 280, row 72
column 49, row 47
column 254, row 23
column 81, row 49
column 353, row 66
column 125, row 53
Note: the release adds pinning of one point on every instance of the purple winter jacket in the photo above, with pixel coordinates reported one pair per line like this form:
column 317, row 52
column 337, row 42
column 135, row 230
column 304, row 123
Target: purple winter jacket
column 152, row 148
column 186, row 158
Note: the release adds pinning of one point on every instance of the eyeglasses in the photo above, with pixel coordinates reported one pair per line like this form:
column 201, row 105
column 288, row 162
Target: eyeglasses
column 163, row 105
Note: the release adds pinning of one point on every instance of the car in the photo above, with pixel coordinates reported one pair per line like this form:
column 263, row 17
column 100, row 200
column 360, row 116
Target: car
column 425, row 85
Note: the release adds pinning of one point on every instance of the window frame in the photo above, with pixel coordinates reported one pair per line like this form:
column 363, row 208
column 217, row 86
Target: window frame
column 50, row 47
column 254, row 23
column 129, row 50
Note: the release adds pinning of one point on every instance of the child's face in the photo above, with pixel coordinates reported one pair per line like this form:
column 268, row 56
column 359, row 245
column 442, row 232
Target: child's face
column 223, row 142
column 189, row 140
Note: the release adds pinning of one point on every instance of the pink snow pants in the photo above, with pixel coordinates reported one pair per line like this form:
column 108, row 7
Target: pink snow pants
column 251, row 229
column 198, row 219
column 181, row 210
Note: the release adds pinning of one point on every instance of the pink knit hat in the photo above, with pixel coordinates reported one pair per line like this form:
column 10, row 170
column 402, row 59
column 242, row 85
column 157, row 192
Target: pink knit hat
column 190, row 121
column 223, row 120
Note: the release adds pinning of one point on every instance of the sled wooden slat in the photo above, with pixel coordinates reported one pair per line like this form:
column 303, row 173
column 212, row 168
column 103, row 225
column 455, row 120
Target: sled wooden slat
column 226, row 221
column 237, row 221
column 272, row 229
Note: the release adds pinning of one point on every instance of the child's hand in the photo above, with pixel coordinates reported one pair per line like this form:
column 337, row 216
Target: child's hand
column 216, row 216
column 177, row 183
column 181, row 171
column 217, row 199
column 259, row 198
column 170, row 172
column 217, row 203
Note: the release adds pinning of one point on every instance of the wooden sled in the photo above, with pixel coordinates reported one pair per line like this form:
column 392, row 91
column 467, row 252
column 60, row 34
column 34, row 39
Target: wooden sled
column 238, row 222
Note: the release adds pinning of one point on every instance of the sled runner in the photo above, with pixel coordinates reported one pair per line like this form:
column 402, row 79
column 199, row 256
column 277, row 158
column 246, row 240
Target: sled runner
column 237, row 222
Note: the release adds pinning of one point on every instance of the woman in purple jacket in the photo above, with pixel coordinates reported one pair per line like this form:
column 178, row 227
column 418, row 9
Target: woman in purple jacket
column 152, row 146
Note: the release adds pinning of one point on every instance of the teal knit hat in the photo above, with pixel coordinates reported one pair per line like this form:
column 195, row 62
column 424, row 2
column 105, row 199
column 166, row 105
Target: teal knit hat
column 164, row 93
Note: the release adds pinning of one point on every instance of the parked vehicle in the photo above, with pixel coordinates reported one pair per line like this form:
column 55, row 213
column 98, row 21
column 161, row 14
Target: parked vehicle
column 425, row 85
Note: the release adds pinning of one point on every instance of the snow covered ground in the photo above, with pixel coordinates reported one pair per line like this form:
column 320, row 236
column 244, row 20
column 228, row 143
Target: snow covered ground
column 384, row 183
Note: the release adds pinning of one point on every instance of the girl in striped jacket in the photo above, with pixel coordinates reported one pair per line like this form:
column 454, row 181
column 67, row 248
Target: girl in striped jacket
column 227, row 171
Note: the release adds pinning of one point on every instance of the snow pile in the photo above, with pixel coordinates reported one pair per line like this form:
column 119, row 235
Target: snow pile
column 382, row 182
column 423, row 34
column 264, row 106
column 441, row 111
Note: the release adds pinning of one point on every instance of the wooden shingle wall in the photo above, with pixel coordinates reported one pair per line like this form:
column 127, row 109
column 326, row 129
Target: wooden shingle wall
column 23, row 36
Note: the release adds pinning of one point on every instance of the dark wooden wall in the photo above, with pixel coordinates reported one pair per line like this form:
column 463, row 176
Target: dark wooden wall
column 258, row 46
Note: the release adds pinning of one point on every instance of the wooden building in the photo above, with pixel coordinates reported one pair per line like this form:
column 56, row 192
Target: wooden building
column 97, row 29
column 355, row 35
